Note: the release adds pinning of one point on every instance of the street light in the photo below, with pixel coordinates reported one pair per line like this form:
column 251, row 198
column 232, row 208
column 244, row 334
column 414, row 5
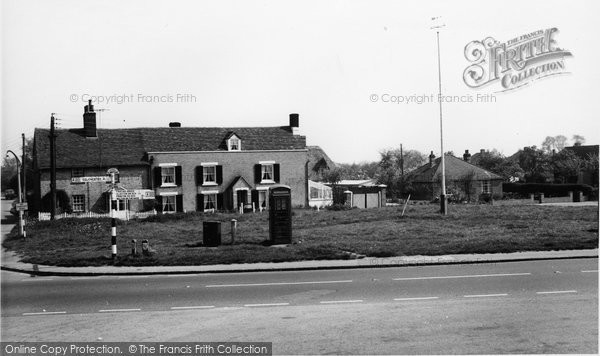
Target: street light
column 21, row 229
column 443, row 201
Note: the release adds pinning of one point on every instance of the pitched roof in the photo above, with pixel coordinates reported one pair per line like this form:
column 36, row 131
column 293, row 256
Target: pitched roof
column 456, row 169
column 121, row 147
column 317, row 160
column 584, row 151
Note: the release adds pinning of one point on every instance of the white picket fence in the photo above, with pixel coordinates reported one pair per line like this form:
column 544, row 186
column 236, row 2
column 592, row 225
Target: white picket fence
column 121, row 215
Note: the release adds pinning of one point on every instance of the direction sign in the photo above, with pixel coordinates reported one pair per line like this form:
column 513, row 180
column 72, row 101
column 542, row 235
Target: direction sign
column 90, row 179
column 21, row 206
column 112, row 171
column 144, row 193
column 126, row 194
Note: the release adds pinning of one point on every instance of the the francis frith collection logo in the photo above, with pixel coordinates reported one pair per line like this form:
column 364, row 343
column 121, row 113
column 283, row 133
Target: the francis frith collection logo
column 514, row 63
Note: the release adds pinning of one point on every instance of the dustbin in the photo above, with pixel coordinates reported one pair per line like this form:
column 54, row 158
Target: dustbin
column 211, row 234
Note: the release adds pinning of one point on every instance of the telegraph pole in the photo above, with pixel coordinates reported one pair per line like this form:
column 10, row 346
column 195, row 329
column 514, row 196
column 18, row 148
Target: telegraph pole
column 52, row 167
column 443, row 201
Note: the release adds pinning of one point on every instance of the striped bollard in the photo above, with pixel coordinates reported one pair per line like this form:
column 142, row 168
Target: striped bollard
column 113, row 231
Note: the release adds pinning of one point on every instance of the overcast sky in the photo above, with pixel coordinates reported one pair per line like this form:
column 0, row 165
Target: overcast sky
column 251, row 63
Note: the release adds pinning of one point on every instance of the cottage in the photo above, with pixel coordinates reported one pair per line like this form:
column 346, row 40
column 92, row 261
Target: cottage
column 188, row 168
column 464, row 181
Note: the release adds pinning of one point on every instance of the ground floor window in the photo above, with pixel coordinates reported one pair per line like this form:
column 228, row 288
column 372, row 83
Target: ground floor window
column 485, row 187
column 210, row 201
column 169, row 204
column 262, row 199
column 78, row 203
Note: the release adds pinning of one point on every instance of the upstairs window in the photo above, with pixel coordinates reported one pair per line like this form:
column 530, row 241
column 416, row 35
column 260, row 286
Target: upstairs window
column 168, row 176
column 234, row 143
column 209, row 174
column 266, row 172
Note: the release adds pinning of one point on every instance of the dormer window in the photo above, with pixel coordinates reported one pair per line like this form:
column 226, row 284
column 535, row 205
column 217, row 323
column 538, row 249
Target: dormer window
column 234, row 143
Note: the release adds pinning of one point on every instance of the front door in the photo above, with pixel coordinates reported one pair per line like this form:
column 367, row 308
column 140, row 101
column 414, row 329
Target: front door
column 242, row 198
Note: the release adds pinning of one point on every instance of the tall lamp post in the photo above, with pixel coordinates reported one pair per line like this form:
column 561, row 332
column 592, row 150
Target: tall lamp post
column 21, row 229
column 443, row 200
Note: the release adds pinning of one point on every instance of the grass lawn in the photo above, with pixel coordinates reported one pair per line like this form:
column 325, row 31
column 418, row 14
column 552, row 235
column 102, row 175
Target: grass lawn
column 177, row 239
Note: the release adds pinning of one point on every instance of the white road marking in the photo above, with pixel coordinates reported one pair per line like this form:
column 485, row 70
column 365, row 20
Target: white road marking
column 590, row 271
column 485, row 295
column 464, row 276
column 341, row 301
column 416, row 298
column 118, row 310
column 273, row 284
column 557, row 292
column 267, row 305
column 36, row 279
column 194, row 307
column 46, row 313
column 135, row 276
column 84, row 278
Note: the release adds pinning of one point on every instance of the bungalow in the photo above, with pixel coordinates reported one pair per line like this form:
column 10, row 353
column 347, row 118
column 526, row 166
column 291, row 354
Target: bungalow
column 464, row 181
column 187, row 168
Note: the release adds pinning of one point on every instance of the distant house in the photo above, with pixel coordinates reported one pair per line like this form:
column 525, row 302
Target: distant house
column 586, row 152
column 362, row 193
column 187, row 168
column 464, row 181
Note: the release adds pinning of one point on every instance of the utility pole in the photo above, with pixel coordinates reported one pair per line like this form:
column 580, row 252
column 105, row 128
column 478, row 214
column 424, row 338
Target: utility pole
column 52, row 167
column 401, row 162
column 24, row 170
column 443, row 201
column 21, row 222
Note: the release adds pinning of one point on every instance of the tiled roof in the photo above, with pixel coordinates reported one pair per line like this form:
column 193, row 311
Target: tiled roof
column 120, row 147
column 456, row 169
column 584, row 151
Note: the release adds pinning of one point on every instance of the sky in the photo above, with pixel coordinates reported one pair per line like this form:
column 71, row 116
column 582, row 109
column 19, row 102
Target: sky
column 338, row 64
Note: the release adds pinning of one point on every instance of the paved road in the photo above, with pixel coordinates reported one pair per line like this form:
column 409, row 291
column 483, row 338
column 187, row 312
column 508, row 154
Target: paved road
column 520, row 307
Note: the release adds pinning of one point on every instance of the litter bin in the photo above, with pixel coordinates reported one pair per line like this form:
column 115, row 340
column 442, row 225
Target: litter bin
column 211, row 234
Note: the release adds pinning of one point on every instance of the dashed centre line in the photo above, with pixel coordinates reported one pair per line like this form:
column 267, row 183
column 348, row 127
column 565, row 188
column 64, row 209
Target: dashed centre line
column 267, row 305
column 273, row 284
column 46, row 313
column 463, row 276
column 590, row 271
column 341, row 301
column 118, row 310
column 193, row 307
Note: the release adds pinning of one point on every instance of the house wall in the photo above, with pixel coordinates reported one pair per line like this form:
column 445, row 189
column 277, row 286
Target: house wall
column 134, row 177
column 239, row 163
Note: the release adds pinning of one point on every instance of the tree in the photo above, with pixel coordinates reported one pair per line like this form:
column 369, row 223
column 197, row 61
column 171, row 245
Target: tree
column 394, row 165
column 556, row 143
column 566, row 166
column 578, row 140
column 535, row 164
column 495, row 162
column 9, row 168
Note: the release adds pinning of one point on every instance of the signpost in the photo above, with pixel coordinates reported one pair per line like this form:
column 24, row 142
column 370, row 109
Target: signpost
column 90, row 179
column 21, row 206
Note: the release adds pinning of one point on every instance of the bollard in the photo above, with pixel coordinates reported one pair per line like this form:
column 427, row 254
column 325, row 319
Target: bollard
column 541, row 198
column 133, row 247
column 233, row 230
column 113, row 234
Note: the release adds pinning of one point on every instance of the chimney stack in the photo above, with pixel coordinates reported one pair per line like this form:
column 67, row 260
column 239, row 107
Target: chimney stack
column 431, row 158
column 174, row 124
column 467, row 156
column 89, row 120
column 294, row 123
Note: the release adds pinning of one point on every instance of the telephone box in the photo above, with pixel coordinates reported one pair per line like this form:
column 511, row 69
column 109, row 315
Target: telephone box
column 280, row 214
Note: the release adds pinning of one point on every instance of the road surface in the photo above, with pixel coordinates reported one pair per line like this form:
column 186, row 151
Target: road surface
column 519, row 307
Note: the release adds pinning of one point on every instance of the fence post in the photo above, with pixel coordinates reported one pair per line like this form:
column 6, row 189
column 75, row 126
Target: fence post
column 133, row 247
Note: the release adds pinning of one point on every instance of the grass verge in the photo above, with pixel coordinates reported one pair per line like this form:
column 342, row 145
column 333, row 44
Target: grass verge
column 177, row 239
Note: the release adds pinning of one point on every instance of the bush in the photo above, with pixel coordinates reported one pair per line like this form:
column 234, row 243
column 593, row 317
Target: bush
column 339, row 207
column 549, row 190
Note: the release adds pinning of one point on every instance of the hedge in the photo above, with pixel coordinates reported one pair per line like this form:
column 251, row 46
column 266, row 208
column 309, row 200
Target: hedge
column 549, row 190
